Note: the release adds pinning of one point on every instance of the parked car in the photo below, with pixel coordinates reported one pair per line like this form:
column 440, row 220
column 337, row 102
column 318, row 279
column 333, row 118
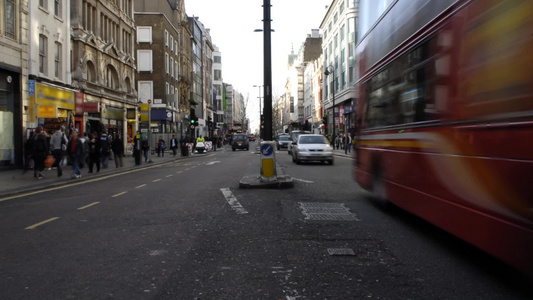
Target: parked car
column 312, row 147
column 294, row 137
column 283, row 142
column 240, row 141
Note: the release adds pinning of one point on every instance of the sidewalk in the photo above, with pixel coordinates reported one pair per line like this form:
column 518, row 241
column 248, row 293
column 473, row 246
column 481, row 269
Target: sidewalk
column 18, row 181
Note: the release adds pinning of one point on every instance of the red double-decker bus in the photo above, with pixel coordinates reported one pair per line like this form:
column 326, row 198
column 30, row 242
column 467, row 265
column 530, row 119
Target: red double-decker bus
column 445, row 118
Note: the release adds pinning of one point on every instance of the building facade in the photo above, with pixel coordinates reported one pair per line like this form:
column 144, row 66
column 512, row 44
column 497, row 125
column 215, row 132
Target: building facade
column 103, row 66
column 52, row 96
column 339, row 31
column 14, row 60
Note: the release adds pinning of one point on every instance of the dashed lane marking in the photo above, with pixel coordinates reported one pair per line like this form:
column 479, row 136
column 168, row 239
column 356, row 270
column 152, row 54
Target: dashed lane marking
column 119, row 194
column 232, row 201
column 42, row 223
column 170, row 175
column 156, row 180
column 140, row 186
column 88, row 205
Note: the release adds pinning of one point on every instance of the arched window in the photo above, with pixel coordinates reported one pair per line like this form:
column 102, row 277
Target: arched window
column 111, row 77
column 91, row 72
column 127, row 83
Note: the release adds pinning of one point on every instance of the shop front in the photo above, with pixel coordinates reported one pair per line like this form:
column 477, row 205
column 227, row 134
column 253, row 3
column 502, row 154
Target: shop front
column 113, row 120
column 10, row 119
column 55, row 107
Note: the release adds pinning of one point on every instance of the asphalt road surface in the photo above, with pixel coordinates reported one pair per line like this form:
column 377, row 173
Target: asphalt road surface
column 185, row 230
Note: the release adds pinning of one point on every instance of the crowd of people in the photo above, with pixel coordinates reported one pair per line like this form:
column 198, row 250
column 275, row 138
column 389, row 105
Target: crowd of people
column 92, row 149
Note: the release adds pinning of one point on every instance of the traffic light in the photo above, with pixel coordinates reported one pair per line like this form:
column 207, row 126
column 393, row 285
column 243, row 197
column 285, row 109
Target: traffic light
column 194, row 119
column 262, row 121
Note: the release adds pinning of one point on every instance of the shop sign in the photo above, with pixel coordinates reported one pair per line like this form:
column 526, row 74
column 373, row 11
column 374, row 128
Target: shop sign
column 46, row 111
column 62, row 113
column 51, row 96
column 91, row 107
column 114, row 113
column 130, row 113
column 79, row 103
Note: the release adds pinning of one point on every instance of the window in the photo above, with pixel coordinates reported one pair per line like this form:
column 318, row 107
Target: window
column 43, row 41
column 176, row 69
column 144, row 34
column 43, row 4
column 172, row 67
column 9, row 19
column 172, row 44
column 111, row 77
column 144, row 60
column 166, row 62
column 57, row 60
column 218, row 59
column 91, row 72
column 166, row 38
column 146, row 90
column 58, row 8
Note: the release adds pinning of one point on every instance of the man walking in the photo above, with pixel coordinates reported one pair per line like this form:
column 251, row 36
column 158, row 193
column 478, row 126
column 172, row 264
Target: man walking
column 58, row 144
column 118, row 150
column 174, row 144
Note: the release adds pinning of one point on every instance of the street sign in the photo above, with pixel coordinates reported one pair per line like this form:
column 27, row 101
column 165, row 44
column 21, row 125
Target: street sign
column 149, row 101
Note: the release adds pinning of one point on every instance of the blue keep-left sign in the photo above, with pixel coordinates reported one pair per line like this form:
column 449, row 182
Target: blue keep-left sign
column 267, row 150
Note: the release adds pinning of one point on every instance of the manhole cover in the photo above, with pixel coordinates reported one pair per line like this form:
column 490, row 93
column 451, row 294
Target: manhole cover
column 326, row 211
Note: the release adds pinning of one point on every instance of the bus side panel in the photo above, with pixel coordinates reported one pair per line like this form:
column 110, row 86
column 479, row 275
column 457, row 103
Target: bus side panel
column 510, row 243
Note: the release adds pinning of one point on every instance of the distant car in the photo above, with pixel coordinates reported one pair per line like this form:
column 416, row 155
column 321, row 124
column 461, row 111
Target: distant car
column 312, row 147
column 294, row 137
column 283, row 142
column 240, row 141
column 251, row 138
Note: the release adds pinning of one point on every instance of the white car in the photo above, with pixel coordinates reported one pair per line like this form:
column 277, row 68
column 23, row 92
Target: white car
column 312, row 147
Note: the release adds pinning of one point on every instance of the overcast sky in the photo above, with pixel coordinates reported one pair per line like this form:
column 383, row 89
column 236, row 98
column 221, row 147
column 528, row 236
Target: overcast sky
column 232, row 24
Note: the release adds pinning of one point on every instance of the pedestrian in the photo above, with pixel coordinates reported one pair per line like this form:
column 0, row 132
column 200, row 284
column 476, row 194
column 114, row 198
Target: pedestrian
column 183, row 147
column 160, row 147
column 58, row 146
column 28, row 152
column 137, row 148
column 85, row 144
column 347, row 143
column 105, row 149
column 75, row 151
column 145, row 148
column 337, row 141
column 40, row 150
column 118, row 150
column 94, row 152
column 174, row 144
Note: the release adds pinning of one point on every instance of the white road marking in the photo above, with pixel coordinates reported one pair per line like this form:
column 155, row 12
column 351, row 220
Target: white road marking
column 140, row 186
column 303, row 180
column 232, row 201
column 170, row 175
column 212, row 163
column 88, row 205
column 42, row 223
column 116, row 195
column 156, row 180
column 179, row 172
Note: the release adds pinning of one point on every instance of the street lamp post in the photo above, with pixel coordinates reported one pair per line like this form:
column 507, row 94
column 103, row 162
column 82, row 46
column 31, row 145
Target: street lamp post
column 331, row 70
column 259, row 86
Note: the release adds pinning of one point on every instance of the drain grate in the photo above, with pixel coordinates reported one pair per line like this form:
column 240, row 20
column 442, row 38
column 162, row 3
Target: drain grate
column 326, row 211
column 340, row 251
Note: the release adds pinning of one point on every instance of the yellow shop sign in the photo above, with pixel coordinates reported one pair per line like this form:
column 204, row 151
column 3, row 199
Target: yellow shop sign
column 51, row 96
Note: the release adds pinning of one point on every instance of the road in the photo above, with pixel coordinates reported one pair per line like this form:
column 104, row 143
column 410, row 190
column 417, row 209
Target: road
column 185, row 230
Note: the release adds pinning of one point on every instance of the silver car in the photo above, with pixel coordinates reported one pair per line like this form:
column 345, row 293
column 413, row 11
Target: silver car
column 312, row 147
